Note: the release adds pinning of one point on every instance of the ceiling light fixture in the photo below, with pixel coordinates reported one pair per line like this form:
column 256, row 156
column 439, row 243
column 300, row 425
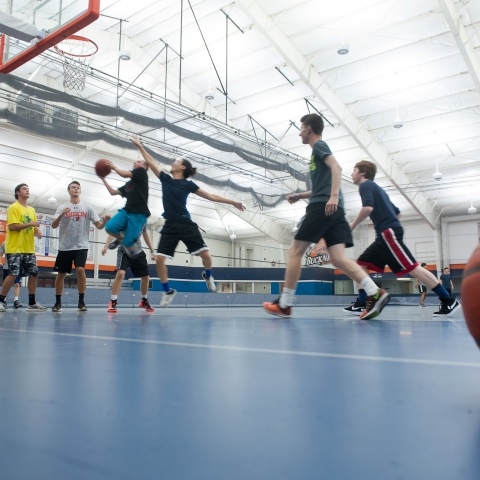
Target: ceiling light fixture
column 437, row 175
column 398, row 123
column 472, row 210
column 52, row 200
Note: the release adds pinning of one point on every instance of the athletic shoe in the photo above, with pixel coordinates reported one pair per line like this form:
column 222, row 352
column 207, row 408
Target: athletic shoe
column 447, row 307
column 3, row 306
column 421, row 305
column 114, row 244
column 375, row 304
column 355, row 308
column 167, row 298
column 210, row 282
column 112, row 306
column 36, row 307
column 57, row 308
column 144, row 303
column 82, row 307
column 17, row 304
column 274, row 308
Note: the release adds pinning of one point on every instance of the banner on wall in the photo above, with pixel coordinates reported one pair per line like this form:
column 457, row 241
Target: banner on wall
column 317, row 255
column 47, row 246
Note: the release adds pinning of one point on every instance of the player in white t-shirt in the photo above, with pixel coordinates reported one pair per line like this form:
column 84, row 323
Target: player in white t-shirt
column 74, row 219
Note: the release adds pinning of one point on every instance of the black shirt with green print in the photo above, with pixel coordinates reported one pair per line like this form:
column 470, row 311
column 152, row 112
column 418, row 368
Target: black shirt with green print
column 321, row 174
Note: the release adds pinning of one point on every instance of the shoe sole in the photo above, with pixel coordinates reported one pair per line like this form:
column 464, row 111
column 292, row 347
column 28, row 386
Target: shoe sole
column 456, row 309
column 278, row 314
column 84, row 309
column 36, row 311
column 112, row 311
column 57, row 311
column 353, row 313
column 379, row 306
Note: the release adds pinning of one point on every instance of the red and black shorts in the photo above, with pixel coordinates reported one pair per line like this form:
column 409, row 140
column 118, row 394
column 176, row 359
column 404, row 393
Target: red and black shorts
column 388, row 249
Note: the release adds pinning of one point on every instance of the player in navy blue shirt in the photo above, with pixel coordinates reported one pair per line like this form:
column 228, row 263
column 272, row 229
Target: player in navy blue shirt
column 388, row 248
column 178, row 224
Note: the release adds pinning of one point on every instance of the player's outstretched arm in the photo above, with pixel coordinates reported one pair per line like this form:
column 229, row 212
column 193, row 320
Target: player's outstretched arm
column 217, row 199
column 147, row 157
column 111, row 190
column 100, row 225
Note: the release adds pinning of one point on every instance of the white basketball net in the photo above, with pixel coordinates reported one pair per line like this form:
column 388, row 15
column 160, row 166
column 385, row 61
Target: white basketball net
column 77, row 53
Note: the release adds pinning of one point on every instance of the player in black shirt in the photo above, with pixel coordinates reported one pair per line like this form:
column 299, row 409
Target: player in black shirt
column 178, row 224
column 128, row 223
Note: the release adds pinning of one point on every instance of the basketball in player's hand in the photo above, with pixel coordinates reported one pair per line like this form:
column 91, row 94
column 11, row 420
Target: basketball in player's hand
column 102, row 168
column 471, row 294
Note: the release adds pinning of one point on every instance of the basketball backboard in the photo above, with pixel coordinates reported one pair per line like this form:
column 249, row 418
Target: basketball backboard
column 59, row 18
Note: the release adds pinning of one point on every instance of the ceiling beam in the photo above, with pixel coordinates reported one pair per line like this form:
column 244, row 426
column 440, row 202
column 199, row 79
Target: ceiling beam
column 462, row 39
column 319, row 87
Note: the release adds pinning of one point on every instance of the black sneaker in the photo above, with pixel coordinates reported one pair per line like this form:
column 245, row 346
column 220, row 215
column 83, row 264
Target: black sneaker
column 17, row 304
column 114, row 244
column 355, row 308
column 57, row 308
column 82, row 307
column 447, row 307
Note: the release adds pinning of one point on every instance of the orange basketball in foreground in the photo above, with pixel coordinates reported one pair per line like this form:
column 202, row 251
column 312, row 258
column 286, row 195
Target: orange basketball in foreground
column 471, row 294
column 102, row 168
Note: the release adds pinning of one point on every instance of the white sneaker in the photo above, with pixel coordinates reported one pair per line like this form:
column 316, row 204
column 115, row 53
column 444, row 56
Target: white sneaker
column 210, row 282
column 167, row 298
column 36, row 307
column 3, row 306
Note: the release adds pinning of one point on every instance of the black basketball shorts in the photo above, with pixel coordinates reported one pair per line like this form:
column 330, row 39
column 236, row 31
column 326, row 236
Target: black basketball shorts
column 388, row 249
column 65, row 258
column 185, row 231
column 138, row 264
column 315, row 225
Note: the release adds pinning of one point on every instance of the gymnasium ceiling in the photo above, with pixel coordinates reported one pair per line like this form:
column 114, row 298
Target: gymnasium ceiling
column 416, row 60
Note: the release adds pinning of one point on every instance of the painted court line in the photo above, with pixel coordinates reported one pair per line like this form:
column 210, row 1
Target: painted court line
column 417, row 361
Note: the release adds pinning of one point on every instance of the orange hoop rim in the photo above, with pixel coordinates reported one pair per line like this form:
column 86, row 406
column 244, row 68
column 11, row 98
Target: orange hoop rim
column 79, row 39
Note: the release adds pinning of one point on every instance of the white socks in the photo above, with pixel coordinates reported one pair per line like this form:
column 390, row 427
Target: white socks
column 113, row 297
column 15, row 299
column 144, row 296
column 369, row 286
column 286, row 298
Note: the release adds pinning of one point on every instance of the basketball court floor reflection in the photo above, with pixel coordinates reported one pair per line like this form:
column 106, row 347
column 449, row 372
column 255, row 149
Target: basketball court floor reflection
column 231, row 393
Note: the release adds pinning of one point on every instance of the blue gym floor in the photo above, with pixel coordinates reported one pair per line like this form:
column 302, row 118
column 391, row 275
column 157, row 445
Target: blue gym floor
column 233, row 393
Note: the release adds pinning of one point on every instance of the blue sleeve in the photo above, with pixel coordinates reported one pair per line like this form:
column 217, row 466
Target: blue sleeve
column 366, row 194
column 162, row 175
column 397, row 210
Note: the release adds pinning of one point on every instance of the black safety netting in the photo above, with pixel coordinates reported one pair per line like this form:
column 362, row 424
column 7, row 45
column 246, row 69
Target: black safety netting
column 71, row 129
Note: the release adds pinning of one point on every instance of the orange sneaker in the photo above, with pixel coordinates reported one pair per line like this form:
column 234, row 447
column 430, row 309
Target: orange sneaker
column 112, row 306
column 144, row 303
column 375, row 304
column 274, row 309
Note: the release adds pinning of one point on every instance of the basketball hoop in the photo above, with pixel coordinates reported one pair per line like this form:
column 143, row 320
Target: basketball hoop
column 77, row 53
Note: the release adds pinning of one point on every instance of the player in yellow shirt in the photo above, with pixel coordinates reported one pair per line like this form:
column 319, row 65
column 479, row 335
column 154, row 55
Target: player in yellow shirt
column 22, row 227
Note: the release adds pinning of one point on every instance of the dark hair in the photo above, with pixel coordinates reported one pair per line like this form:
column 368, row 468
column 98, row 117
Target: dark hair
column 189, row 169
column 73, row 183
column 423, row 264
column 17, row 189
column 368, row 168
column 314, row 121
column 446, row 268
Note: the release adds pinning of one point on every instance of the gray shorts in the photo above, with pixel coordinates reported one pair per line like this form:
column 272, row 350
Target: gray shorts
column 22, row 264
